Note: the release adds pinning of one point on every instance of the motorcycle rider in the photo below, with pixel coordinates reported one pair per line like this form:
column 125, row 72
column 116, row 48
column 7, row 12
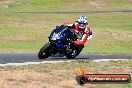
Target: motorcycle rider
column 82, row 31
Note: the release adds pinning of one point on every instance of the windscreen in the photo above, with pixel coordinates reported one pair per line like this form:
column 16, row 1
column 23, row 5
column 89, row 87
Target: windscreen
column 61, row 29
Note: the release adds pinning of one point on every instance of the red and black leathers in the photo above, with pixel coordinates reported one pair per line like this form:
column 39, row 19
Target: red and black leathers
column 85, row 32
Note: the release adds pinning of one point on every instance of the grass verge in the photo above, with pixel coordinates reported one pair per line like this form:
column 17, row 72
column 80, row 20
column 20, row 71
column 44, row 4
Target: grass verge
column 28, row 32
column 63, row 5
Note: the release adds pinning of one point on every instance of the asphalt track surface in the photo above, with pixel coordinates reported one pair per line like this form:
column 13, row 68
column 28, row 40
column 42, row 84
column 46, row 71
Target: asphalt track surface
column 74, row 12
column 32, row 57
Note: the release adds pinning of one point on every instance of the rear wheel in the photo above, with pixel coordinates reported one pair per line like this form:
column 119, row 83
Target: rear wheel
column 44, row 51
column 72, row 55
column 75, row 52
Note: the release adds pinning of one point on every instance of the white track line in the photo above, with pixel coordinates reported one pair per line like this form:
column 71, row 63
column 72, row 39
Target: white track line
column 29, row 63
column 58, row 61
column 100, row 60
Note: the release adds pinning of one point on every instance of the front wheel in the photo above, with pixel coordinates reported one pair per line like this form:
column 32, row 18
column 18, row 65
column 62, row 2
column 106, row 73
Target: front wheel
column 44, row 51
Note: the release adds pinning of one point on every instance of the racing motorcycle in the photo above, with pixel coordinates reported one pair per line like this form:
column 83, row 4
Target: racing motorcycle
column 60, row 41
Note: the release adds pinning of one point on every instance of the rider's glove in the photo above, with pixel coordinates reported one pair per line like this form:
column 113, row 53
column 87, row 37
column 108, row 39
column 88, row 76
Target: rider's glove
column 78, row 42
column 90, row 37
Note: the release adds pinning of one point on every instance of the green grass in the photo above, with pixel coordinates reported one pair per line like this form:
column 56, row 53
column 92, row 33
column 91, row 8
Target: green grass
column 113, row 21
column 121, row 62
column 66, row 5
column 112, row 33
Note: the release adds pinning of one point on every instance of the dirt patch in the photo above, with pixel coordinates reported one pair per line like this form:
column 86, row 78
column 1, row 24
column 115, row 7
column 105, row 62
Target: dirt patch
column 5, row 3
column 97, row 4
column 21, row 79
column 59, row 75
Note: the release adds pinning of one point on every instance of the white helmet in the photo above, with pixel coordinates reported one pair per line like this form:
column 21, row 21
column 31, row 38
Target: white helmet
column 82, row 21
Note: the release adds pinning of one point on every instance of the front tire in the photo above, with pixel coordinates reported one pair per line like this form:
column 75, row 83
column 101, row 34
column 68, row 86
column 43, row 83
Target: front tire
column 44, row 51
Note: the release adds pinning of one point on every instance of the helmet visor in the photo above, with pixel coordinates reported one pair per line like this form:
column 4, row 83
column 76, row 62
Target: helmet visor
column 82, row 25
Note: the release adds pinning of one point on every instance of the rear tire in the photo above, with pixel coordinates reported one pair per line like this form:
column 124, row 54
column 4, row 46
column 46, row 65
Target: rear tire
column 71, row 55
column 75, row 52
column 44, row 51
